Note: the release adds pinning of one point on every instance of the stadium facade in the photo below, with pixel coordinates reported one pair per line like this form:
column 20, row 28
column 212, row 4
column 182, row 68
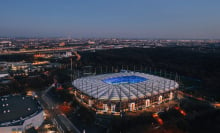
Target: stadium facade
column 19, row 112
column 123, row 91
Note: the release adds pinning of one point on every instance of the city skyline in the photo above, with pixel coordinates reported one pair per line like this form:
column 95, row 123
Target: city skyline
column 117, row 19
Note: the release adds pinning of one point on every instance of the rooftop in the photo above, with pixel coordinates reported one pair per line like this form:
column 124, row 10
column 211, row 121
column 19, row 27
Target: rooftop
column 124, row 85
column 15, row 109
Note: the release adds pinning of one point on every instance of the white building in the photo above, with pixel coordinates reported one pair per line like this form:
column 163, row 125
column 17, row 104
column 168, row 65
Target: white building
column 129, row 91
column 18, row 113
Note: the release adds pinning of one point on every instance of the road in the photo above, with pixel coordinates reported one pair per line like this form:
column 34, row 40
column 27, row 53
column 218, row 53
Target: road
column 214, row 104
column 64, row 125
column 38, row 50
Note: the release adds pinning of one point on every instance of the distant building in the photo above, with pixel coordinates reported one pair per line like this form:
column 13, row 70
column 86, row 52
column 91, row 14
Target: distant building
column 91, row 42
column 5, row 44
column 20, row 66
column 62, row 44
column 3, row 75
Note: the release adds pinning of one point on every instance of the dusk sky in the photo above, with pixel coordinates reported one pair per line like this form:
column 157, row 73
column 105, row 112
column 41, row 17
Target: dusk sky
column 172, row 19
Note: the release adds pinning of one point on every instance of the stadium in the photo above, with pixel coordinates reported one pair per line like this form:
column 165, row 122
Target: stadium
column 123, row 91
column 19, row 112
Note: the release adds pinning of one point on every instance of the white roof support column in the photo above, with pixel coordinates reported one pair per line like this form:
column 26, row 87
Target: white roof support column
column 147, row 102
column 132, row 106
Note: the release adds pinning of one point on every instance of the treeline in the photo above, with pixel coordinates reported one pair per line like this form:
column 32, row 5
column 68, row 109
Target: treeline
column 17, row 57
column 192, row 62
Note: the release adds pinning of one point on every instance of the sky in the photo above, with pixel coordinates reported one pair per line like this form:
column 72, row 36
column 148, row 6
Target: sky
column 171, row 19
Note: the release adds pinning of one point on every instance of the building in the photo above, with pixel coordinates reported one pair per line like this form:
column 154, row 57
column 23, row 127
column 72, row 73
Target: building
column 91, row 42
column 19, row 113
column 5, row 44
column 20, row 66
column 4, row 78
column 4, row 75
column 124, row 91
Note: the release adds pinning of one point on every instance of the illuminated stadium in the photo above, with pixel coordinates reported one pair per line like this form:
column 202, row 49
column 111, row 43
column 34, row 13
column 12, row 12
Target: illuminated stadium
column 19, row 112
column 123, row 91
